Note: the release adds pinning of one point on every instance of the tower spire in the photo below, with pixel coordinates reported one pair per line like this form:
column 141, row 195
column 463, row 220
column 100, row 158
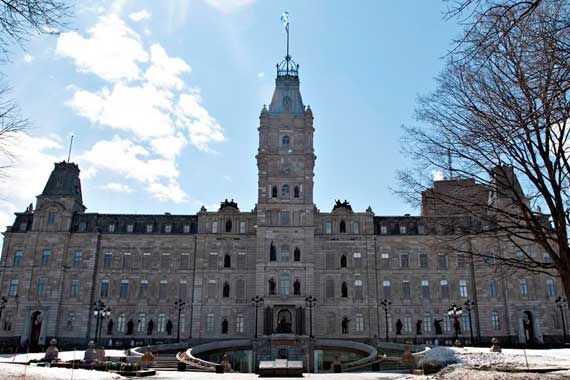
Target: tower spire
column 287, row 67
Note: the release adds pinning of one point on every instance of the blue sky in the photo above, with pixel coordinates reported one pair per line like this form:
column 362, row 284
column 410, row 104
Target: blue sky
column 164, row 98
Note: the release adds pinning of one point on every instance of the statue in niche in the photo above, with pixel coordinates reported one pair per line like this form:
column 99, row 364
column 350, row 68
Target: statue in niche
column 399, row 326
column 437, row 325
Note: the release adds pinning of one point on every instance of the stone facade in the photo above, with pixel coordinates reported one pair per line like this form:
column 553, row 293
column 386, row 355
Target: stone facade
column 57, row 261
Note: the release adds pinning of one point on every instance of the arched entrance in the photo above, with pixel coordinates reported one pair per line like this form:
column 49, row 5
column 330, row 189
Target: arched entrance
column 36, row 330
column 528, row 327
column 284, row 322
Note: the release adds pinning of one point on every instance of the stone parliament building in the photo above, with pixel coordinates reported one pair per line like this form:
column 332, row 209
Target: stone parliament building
column 58, row 260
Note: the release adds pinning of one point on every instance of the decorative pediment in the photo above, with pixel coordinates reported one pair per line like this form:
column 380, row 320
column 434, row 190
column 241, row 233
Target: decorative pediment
column 342, row 205
column 225, row 204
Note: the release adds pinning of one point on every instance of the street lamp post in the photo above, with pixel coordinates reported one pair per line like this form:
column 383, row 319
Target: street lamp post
column 468, row 306
column 455, row 312
column 179, row 306
column 100, row 311
column 256, row 301
column 386, row 305
column 310, row 301
column 561, row 302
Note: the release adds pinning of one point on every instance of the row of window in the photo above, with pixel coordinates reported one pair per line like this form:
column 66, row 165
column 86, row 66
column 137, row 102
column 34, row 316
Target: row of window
column 229, row 227
column 145, row 261
column 164, row 290
column 403, row 261
column 149, row 228
column 285, row 192
column 342, row 227
column 283, row 253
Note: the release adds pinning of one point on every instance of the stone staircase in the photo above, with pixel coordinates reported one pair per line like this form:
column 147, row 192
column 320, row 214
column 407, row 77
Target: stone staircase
column 165, row 362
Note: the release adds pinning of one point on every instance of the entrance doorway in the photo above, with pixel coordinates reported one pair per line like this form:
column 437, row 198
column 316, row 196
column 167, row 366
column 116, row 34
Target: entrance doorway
column 284, row 322
column 528, row 327
column 36, row 330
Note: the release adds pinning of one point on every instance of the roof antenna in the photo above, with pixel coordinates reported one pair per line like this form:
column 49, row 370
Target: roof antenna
column 70, row 146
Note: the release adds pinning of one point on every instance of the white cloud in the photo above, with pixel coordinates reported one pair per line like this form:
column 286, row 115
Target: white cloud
column 157, row 114
column 112, row 50
column 260, row 75
column 437, row 175
column 28, row 58
column 118, row 187
column 140, row 15
column 229, row 6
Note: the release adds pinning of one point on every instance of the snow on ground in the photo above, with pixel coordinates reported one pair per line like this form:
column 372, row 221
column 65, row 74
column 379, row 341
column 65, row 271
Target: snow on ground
column 15, row 371
column 513, row 358
column 164, row 375
column 63, row 355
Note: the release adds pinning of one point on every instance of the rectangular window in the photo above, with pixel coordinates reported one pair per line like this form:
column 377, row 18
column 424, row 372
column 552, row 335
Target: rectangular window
column 358, row 293
column 329, row 288
column 211, row 289
column 182, row 322
column 492, row 289
column 550, row 288
column 241, row 261
column 82, row 226
column 168, row 228
column 74, row 292
column 523, row 287
column 147, row 261
column 165, row 261
column 124, row 289
column 182, row 290
column 284, row 218
column 444, row 289
column 161, row 323
column 357, row 260
column 51, row 217
column 242, row 227
column 45, row 257
column 359, row 323
column 149, row 228
column 427, row 323
column 408, row 324
column 186, row 228
column 23, row 226
column 387, row 289
column 214, row 227
column 546, row 258
column 465, row 322
column 41, row 287
column 213, row 260
column 107, row 260
column 239, row 323
column 406, row 290
column 463, row 289
column 385, row 258
column 18, row 258
column 210, row 323
column 442, row 261
column 447, row 324
column 121, row 323
column 184, row 261
column 77, row 259
column 461, row 261
column 141, row 322
column 383, row 230
column 163, row 289
column 425, row 289
column 403, row 230
column 130, row 228
column 143, row 289
column 495, row 322
column 404, row 261
column 355, row 227
column 126, row 260
column 328, row 228
column 111, row 228
column 104, row 291
column 423, row 260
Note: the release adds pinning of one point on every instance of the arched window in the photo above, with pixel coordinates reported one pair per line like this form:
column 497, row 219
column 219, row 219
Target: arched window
column 227, row 261
column 342, row 227
column 285, row 140
column 297, row 254
column 284, row 254
column 225, row 325
column 297, row 287
column 285, row 191
column 343, row 261
column 271, row 286
column 284, row 283
column 229, row 226
column 272, row 253
column 344, row 290
column 296, row 192
column 226, row 290
column 274, row 192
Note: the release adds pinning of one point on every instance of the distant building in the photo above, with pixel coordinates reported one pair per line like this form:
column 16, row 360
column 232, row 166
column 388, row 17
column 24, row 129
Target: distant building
column 58, row 260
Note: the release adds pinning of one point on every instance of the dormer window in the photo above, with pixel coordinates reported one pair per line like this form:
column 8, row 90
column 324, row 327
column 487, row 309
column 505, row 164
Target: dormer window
column 383, row 230
column 403, row 230
column 130, row 228
column 285, row 140
column 111, row 228
column 168, row 228
column 149, row 228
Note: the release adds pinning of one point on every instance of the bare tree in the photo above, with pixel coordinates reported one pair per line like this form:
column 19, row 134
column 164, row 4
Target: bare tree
column 20, row 19
column 500, row 116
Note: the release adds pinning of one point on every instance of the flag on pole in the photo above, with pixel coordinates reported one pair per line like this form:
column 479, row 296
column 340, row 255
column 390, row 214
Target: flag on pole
column 285, row 19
